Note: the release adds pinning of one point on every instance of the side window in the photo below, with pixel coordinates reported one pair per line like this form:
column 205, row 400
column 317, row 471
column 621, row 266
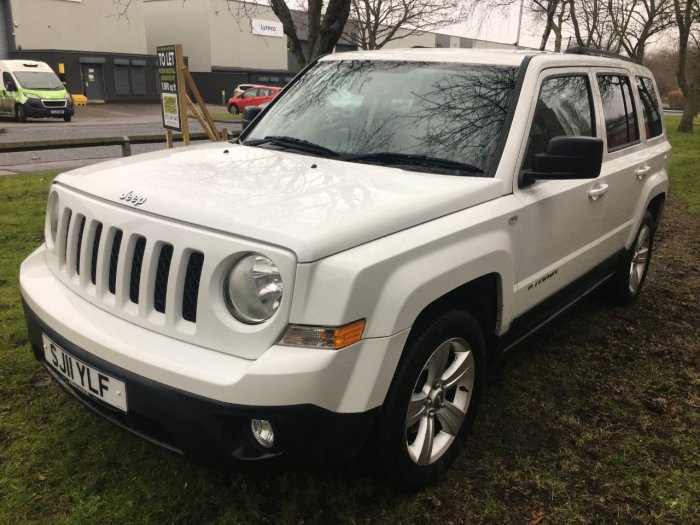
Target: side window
column 251, row 93
column 618, row 108
column 7, row 79
column 563, row 108
column 650, row 107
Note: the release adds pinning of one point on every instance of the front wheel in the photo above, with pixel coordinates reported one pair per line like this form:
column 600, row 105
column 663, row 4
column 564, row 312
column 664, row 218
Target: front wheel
column 20, row 114
column 233, row 109
column 432, row 400
column 67, row 118
column 626, row 284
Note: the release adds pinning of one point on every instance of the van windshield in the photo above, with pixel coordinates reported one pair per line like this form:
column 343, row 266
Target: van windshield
column 394, row 112
column 38, row 80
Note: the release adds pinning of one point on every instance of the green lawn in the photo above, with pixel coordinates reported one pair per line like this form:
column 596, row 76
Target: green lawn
column 596, row 419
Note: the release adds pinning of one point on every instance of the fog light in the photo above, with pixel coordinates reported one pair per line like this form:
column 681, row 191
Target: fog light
column 262, row 432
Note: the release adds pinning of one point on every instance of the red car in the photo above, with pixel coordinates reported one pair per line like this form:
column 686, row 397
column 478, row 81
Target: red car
column 252, row 97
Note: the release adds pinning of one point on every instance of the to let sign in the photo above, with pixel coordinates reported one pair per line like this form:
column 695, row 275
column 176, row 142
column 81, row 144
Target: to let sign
column 167, row 73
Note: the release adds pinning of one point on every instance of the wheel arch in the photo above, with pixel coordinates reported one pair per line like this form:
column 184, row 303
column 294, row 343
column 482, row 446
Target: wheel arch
column 482, row 297
column 656, row 208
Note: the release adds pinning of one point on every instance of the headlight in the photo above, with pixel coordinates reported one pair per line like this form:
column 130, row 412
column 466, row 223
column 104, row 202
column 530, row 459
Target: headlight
column 253, row 289
column 32, row 95
column 69, row 99
column 52, row 219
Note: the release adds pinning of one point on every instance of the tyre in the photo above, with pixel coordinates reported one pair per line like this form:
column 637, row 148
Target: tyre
column 67, row 118
column 431, row 401
column 233, row 109
column 20, row 114
column 627, row 282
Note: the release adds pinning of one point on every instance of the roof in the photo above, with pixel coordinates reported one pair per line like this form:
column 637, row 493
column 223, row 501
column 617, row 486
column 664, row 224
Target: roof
column 474, row 56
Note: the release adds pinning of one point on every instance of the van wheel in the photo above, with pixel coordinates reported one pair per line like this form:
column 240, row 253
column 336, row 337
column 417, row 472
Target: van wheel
column 67, row 118
column 431, row 401
column 20, row 114
column 626, row 284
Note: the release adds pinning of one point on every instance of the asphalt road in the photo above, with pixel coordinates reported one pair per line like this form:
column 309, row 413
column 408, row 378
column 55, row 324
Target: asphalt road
column 104, row 120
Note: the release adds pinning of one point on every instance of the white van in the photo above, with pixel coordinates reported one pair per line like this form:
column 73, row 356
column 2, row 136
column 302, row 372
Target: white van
column 32, row 89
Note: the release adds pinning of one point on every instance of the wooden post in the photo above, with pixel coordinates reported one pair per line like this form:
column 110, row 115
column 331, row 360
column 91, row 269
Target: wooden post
column 224, row 134
column 169, row 138
column 182, row 96
column 211, row 134
column 198, row 98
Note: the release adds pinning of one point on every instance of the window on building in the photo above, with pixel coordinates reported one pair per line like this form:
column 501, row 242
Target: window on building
column 650, row 107
column 121, row 79
column 618, row 108
column 564, row 107
column 138, row 80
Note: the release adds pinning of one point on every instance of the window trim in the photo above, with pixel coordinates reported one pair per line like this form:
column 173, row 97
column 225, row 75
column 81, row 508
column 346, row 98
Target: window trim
column 659, row 107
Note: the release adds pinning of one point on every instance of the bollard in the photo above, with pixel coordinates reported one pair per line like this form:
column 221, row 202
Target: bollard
column 126, row 147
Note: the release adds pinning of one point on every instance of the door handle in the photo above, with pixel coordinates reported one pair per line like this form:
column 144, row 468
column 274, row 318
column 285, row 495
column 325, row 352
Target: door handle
column 597, row 191
column 642, row 172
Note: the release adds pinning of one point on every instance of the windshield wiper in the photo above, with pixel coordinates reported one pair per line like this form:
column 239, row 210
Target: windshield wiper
column 386, row 158
column 293, row 143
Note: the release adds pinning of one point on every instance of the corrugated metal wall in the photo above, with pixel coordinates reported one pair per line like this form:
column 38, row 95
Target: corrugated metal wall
column 4, row 36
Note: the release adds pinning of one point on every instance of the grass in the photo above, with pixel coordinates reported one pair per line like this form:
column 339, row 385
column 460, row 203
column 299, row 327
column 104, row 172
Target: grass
column 596, row 419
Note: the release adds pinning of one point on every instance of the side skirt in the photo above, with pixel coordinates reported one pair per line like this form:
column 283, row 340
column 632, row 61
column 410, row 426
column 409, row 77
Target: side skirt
column 549, row 309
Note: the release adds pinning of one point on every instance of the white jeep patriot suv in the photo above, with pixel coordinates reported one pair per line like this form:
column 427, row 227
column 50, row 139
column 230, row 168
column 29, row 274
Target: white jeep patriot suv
column 343, row 274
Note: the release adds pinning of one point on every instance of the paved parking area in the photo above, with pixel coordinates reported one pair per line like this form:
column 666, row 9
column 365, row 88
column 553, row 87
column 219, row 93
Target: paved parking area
column 94, row 120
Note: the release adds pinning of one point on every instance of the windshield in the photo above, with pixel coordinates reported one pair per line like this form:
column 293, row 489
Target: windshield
column 356, row 108
column 38, row 80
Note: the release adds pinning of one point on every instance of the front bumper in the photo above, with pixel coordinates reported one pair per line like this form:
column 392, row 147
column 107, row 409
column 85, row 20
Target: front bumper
column 209, row 431
column 34, row 108
column 199, row 402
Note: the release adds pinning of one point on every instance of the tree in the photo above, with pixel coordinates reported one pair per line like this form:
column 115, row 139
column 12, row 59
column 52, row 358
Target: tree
column 325, row 27
column 374, row 23
column 554, row 13
column 635, row 22
column 687, row 15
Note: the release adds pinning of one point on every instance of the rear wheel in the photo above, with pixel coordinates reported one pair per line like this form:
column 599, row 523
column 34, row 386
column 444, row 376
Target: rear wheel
column 626, row 285
column 432, row 400
column 20, row 114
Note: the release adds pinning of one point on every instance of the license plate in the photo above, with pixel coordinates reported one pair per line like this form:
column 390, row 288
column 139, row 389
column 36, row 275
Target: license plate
column 57, row 112
column 89, row 380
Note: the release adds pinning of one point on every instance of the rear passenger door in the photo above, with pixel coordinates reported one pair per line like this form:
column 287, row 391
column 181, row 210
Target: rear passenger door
column 625, row 159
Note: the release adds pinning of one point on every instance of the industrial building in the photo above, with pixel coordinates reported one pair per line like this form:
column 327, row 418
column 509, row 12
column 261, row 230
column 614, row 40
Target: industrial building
column 108, row 51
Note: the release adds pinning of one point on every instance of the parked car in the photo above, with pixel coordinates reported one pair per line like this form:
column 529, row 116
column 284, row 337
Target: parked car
column 252, row 97
column 335, row 281
column 240, row 88
column 31, row 89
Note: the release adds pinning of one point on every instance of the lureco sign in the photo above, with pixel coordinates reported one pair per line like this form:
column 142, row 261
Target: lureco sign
column 266, row 28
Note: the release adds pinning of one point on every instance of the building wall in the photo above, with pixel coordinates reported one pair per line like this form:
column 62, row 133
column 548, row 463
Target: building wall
column 233, row 43
column 177, row 22
column 418, row 39
column 77, row 24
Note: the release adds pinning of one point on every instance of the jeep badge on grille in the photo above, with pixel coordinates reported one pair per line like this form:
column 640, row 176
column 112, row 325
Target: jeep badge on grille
column 132, row 198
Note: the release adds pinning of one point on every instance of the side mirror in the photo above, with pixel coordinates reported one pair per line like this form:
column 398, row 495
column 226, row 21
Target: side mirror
column 10, row 86
column 567, row 158
column 249, row 115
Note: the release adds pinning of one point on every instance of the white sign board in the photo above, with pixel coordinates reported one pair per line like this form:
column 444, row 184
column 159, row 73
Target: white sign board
column 266, row 28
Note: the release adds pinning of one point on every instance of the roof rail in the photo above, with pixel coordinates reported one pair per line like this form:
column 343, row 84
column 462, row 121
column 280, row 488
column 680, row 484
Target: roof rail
column 581, row 50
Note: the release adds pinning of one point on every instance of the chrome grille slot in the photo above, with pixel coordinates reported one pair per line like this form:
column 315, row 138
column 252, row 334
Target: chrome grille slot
column 113, row 260
column 78, row 248
column 160, row 290
column 136, row 265
column 64, row 228
column 95, row 252
column 191, row 291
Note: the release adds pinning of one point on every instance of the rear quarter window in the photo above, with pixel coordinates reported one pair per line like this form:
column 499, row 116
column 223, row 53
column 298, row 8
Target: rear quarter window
column 650, row 107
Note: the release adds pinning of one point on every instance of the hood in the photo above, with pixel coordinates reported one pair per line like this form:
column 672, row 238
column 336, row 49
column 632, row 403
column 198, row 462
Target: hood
column 313, row 206
column 46, row 94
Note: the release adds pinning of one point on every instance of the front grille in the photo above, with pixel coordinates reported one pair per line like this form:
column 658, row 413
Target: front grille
column 54, row 103
column 119, row 265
